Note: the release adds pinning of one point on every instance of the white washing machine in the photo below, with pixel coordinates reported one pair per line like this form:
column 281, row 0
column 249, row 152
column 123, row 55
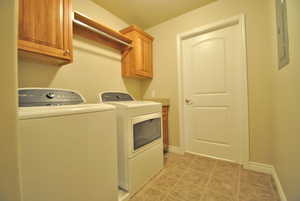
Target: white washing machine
column 67, row 149
column 140, row 143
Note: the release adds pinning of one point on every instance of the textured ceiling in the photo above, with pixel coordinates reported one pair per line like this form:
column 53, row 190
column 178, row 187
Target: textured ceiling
column 148, row 13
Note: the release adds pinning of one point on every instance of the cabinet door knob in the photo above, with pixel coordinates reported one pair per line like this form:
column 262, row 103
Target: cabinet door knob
column 67, row 52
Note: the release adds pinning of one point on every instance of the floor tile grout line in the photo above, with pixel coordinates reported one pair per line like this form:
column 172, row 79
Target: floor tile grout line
column 161, row 191
column 212, row 175
column 150, row 181
column 185, row 164
column 206, row 188
column 169, row 191
column 261, row 186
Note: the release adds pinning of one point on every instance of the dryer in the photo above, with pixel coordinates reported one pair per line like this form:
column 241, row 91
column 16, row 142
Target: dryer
column 67, row 148
column 140, row 143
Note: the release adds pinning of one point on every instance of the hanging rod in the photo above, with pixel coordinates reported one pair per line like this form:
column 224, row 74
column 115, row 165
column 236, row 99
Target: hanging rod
column 100, row 32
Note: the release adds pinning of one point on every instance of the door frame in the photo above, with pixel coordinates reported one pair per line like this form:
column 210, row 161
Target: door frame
column 236, row 20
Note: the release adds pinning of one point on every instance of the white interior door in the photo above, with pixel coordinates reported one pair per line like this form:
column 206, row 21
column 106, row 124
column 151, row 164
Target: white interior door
column 213, row 84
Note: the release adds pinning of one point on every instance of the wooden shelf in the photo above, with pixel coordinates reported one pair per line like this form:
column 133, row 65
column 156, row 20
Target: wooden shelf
column 88, row 28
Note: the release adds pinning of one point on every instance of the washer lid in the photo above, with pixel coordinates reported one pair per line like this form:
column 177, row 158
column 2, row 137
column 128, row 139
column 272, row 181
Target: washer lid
column 50, row 111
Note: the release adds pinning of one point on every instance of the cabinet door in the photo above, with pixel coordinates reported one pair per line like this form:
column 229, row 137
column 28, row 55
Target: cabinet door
column 144, row 57
column 45, row 27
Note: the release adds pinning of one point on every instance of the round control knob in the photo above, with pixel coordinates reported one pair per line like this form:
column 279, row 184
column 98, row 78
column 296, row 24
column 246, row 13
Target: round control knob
column 50, row 95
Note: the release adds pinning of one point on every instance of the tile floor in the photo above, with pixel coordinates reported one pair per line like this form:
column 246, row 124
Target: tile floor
column 194, row 178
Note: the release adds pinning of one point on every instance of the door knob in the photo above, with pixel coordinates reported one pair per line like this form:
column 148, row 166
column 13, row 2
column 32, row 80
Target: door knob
column 188, row 101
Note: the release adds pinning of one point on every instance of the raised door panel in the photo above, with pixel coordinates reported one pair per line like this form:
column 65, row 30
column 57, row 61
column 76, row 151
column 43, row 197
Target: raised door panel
column 148, row 57
column 45, row 27
column 143, row 56
column 139, row 55
column 128, row 58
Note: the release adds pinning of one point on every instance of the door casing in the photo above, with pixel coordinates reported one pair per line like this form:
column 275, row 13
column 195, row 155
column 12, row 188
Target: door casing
column 236, row 20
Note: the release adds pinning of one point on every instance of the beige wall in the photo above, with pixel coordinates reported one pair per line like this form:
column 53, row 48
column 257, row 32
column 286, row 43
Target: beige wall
column 9, row 185
column 95, row 68
column 259, row 65
column 286, row 111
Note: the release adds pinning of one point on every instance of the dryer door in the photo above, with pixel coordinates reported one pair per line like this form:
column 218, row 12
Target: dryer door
column 146, row 130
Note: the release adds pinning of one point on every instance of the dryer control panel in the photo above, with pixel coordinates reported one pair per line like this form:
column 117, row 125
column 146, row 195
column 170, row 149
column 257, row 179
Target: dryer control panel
column 115, row 96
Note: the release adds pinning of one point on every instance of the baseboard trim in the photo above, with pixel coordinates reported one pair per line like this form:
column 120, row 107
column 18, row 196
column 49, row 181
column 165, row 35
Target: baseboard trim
column 268, row 169
column 279, row 186
column 259, row 167
column 175, row 149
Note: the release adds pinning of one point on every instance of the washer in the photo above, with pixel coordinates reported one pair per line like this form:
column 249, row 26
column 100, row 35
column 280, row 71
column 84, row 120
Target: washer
column 67, row 149
column 140, row 147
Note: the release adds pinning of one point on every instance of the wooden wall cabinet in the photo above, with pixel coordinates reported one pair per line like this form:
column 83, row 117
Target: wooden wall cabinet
column 45, row 29
column 165, row 115
column 137, row 61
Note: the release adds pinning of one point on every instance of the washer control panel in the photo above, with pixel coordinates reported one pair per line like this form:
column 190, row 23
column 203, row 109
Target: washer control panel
column 31, row 97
